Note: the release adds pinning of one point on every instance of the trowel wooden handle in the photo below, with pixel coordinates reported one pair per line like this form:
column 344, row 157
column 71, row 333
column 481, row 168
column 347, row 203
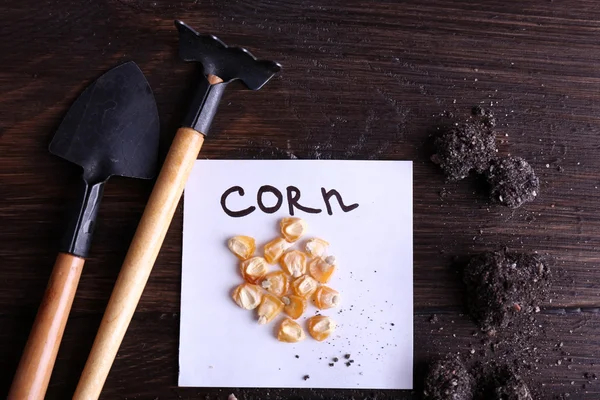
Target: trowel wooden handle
column 33, row 374
column 139, row 261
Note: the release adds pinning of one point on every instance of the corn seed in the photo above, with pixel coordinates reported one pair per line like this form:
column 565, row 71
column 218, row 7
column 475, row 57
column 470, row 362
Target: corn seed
column 242, row 246
column 275, row 249
column 269, row 308
column 276, row 283
column 247, row 296
column 294, row 263
column 294, row 305
column 292, row 228
column 326, row 297
column 320, row 327
column 304, row 286
column 316, row 247
column 322, row 269
column 290, row 331
column 254, row 269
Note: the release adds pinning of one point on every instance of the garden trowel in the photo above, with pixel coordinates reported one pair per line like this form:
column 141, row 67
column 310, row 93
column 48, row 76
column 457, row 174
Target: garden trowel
column 111, row 129
column 220, row 65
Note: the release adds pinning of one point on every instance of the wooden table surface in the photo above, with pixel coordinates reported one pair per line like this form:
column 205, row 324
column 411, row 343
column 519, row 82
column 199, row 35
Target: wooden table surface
column 361, row 80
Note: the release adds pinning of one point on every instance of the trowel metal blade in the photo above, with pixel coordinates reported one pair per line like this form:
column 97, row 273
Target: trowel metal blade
column 112, row 128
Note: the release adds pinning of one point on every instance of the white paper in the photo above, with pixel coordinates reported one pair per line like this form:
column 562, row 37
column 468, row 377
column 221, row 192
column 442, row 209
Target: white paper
column 222, row 345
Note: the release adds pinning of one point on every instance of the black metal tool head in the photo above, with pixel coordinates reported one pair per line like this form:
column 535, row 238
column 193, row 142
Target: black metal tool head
column 228, row 63
column 112, row 128
column 223, row 62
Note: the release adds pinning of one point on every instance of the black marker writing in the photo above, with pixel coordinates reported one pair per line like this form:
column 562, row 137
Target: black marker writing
column 327, row 195
column 293, row 199
column 293, row 195
column 270, row 189
column 235, row 214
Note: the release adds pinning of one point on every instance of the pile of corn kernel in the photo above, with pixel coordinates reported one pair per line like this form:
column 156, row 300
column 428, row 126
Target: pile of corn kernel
column 302, row 278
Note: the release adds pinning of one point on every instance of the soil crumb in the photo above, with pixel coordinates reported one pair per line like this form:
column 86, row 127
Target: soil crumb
column 448, row 379
column 466, row 146
column 500, row 382
column 510, row 386
column 512, row 182
column 501, row 285
column 486, row 115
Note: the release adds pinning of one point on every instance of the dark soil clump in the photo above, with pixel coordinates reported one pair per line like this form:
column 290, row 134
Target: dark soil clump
column 511, row 387
column 465, row 146
column 500, row 383
column 512, row 182
column 502, row 285
column 487, row 117
column 448, row 379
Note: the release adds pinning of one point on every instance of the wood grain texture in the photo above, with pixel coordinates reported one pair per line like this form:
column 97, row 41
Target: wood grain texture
column 360, row 80
column 139, row 261
column 37, row 362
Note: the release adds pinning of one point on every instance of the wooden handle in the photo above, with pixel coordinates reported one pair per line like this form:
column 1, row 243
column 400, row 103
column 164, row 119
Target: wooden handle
column 33, row 374
column 139, row 261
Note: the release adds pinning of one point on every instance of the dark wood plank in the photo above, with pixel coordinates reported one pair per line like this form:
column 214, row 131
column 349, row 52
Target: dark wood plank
column 361, row 80
column 146, row 366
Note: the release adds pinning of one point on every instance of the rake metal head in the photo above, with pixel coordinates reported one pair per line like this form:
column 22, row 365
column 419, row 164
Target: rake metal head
column 228, row 63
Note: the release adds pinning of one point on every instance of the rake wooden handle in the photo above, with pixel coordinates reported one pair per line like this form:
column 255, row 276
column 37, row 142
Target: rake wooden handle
column 139, row 261
column 35, row 368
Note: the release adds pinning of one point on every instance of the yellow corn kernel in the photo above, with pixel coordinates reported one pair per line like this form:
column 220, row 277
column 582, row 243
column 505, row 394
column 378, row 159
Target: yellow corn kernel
column 247, row 296
column 254, row 269
column 294, row 305
column 322, row 268
column 316, row 247
column 269, row 308
column 304, row 286
column 275, row 249
column 242, row 246
column 292, row 229
column 290, row 331
column 326, row 297
column 320, row 327
column 276, row 283
column 294, row 263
